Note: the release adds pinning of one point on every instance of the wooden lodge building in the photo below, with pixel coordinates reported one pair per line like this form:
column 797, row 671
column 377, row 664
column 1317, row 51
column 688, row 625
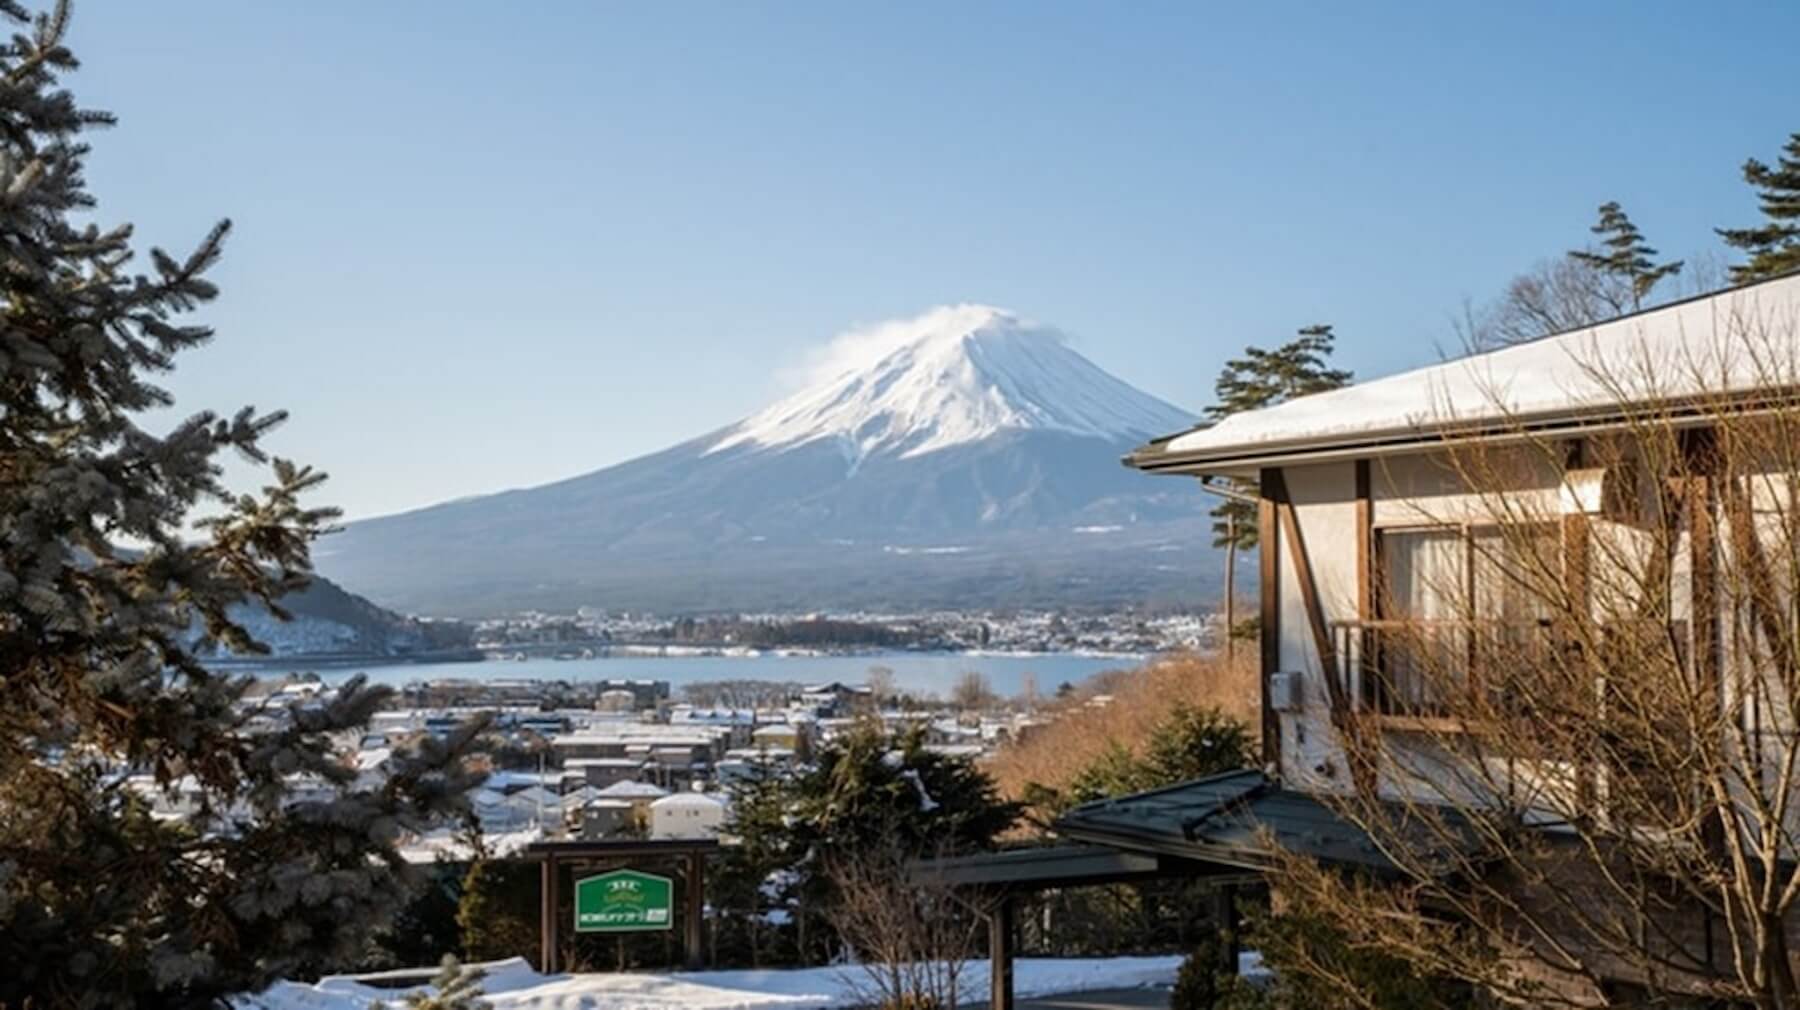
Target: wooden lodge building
column 1369, row 520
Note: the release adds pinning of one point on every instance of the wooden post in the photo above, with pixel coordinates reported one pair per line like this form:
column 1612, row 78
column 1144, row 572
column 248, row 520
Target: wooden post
column 1364, row 693
column 696, row 910
column 1225, row 918
column 548, row 919
column 1268, row 549
column 1000, row 954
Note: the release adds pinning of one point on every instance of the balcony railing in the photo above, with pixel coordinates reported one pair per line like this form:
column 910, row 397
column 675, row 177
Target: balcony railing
column 1434, row 670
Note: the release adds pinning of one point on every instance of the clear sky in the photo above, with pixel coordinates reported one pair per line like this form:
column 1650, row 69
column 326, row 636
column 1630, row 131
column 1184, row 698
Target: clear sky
column 485, row 246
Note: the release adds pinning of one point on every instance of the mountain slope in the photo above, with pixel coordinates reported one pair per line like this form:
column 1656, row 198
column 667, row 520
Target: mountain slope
column 968, row 459
column 327, row 620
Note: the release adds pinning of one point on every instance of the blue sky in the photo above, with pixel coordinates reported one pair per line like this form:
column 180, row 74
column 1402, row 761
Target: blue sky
column 485, row 246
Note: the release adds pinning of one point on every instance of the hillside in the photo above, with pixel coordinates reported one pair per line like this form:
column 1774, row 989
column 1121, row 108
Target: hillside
column 971, row 459
column 331, row 621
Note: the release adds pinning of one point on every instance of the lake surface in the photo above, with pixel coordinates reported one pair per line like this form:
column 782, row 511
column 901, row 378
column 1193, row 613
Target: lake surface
column 935, row 672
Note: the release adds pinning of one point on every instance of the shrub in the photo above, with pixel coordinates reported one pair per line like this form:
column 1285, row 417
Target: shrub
column 1199, row 983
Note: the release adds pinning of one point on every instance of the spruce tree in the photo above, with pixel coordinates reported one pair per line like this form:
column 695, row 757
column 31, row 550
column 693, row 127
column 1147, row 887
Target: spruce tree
column 1625, row 254
column 1774, row 245
column 741, row 883
column 867, row 789
column 110, row 586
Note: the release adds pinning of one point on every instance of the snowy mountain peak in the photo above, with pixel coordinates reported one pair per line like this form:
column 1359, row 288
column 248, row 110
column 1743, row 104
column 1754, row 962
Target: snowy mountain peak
column 954, row 375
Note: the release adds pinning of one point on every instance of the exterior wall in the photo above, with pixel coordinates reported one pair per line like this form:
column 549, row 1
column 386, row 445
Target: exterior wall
column 1325, row 512
column 1404, row 491
column 1424, row 490
column 686, row 815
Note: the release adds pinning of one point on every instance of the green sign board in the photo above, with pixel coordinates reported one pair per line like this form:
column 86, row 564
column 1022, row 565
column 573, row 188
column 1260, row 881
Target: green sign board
column 623, row 901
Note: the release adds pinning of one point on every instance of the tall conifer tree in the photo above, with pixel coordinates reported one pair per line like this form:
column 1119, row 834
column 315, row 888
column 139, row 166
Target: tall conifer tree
column 1774, row 245
column 1263, row 378
column 107, row 597
column 1625, row 254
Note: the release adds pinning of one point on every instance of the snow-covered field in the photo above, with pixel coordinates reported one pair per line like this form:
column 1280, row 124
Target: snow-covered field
column 513, row 985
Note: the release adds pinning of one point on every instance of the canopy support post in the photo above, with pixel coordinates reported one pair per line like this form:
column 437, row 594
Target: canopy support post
column 1000, row 953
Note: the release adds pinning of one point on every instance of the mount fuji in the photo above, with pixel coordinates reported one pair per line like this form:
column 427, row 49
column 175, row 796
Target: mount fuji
column 965, row 458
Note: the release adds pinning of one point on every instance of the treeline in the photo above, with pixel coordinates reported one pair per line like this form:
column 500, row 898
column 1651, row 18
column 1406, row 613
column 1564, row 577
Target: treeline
column 809, row 632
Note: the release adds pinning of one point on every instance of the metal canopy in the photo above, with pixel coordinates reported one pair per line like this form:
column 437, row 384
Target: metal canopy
column 1228, row 820
column 1049, row 866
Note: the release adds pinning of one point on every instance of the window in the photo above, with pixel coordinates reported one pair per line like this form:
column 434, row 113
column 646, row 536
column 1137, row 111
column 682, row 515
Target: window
column 1453, row 602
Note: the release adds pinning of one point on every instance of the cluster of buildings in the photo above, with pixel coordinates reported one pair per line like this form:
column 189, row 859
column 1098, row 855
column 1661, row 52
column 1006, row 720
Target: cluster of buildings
column 589, row 630
column 609, row 759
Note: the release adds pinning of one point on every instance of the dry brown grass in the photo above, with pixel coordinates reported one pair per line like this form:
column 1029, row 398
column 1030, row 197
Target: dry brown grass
column 1080, row 732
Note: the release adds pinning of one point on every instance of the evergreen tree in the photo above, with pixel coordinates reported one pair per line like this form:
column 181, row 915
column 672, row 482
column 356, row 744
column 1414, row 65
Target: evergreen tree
column 1774, row 245
column 864, row 790
column 497, row 911
column 108, row 592
column 1263, row 378
column 1626, row 255
column 1189, row 743
column 746, row 884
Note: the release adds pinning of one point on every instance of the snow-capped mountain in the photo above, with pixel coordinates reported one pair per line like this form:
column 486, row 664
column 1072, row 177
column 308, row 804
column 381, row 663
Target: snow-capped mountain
column 965, row 457
column 956, row 375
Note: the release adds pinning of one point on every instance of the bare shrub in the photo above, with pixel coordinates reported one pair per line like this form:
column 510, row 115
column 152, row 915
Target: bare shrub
column 910, row 936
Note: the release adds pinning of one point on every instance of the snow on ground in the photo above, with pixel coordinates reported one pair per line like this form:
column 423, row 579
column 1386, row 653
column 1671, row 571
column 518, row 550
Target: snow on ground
column 513, row 985
column 447, row 843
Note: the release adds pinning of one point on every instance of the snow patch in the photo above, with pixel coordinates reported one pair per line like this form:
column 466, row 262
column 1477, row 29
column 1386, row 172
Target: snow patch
column 513, row 985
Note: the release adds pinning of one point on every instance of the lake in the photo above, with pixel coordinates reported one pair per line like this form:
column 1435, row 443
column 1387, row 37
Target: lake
column 933, row 672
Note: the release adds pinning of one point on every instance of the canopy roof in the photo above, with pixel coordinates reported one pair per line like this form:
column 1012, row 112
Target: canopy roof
column 1043, row 866
column 1732, row 342
column 1227, row 820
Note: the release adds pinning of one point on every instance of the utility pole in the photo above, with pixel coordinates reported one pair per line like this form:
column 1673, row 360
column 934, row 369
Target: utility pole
column 1230, row 586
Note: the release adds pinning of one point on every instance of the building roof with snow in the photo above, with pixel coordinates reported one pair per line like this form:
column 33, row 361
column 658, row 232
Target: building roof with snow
column 690, row 799
column 1740, row 341
column 633, row 790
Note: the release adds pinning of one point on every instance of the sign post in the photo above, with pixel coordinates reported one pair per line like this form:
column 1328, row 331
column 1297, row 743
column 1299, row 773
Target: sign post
column 624, row 901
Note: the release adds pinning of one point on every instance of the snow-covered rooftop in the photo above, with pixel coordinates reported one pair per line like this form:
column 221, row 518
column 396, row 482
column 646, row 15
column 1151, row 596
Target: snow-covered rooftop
column 628, row 789
column 1732, row 341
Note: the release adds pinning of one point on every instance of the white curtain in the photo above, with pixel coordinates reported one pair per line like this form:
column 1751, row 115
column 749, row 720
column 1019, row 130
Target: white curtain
column 1425, row 581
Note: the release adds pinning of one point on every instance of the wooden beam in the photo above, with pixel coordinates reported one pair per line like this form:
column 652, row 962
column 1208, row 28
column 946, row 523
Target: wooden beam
column 1575, row 548
column 1701, row 451
column 1268, row 550
column 1000, row 954
column 695, row 913
column 1362, row 770
column 1309, row 591
column 1365, row 578
column 548, row 920
column 1576, row 566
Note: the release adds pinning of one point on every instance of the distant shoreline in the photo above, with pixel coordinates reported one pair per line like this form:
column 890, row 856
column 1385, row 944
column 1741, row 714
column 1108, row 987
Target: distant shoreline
column 637, row 652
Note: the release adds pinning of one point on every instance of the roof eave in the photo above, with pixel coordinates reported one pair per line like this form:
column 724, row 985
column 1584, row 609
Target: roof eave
column 1246, row 458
